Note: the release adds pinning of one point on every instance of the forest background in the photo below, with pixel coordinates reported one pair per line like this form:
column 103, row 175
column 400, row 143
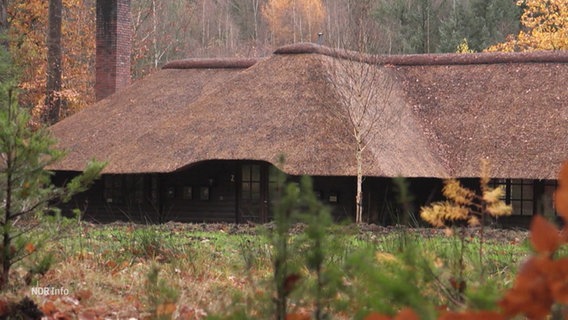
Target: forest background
column 176, row 29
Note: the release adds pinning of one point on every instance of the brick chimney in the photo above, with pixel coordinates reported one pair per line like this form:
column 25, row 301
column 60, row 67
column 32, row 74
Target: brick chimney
column 114, row 36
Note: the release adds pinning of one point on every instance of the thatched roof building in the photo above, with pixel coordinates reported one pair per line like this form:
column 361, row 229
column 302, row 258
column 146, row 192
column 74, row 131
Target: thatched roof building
column 440, row 114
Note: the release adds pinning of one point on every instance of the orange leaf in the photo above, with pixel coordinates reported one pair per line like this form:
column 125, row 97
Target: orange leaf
column 559, row 292
column 82, row 295
column 558, row 279
column 376, row 316
column 563, row 175
column 472, row 315
column 165, row 309
column 545, row 237
column 62, row 316
column 29, row 247
column 564, row 233
column 48, row 308
column 561, row 202
column 530, row 294
column 298, row 316
column 112, row 266
column 407, row 314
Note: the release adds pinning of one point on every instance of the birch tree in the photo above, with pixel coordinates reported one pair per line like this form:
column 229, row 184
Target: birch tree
column 364, row 91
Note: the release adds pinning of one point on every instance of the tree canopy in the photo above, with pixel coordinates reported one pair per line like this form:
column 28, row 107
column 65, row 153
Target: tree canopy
column 545, row 27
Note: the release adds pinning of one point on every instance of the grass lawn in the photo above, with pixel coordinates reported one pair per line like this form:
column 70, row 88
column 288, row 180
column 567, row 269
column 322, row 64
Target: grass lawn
column 216, row 270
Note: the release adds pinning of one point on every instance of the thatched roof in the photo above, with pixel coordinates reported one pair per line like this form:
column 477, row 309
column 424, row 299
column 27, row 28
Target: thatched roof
column 443, row 113
column 103, row 130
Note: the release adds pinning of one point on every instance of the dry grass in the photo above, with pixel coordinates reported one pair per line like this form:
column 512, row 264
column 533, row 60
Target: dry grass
column 214, row 268
column 110, row 264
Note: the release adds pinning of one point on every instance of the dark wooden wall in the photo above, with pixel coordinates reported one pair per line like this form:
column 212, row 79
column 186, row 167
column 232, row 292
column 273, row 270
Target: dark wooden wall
column 213, row 193
column 209, row 192
column 165, row 196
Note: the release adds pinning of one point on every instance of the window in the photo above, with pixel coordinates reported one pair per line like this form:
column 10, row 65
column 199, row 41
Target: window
column 250, row 182
column 251, row 207
column 187, row 193
column 519, row 193
column 204, row 193
column 124, row 189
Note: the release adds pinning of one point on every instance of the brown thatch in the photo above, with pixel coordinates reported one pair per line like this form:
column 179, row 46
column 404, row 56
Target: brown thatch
column 103, row 130
column 451, row 110
column 515, row 115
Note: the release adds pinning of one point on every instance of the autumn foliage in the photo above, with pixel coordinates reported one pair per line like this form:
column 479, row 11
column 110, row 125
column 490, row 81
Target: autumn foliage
column 292, row 21
column 28, row 31
column 545, row 27
column 539, row 290
column 542, row 281
column 466, row 205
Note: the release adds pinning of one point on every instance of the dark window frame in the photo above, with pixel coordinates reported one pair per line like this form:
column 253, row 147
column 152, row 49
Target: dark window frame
column 515, row 195
column 249, row 180
column 122, row 189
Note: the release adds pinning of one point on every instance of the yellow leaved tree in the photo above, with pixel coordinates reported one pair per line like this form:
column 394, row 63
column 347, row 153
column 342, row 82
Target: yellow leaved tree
column 545, row 27
column 294, row 20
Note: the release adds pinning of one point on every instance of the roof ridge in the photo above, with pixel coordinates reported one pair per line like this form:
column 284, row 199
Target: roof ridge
column 212, row 63
column 558, row 56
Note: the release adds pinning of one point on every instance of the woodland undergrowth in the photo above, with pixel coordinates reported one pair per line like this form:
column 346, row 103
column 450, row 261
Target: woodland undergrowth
column 304, row 265
column 327, row 279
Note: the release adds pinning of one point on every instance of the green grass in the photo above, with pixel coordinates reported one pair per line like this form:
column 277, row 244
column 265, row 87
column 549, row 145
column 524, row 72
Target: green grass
column 222, row 272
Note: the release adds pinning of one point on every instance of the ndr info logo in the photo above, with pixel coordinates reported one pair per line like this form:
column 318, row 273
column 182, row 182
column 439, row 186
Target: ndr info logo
column 49, row 291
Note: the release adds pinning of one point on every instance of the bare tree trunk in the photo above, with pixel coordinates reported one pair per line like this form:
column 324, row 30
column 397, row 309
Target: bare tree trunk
column 310, row 35
column 364, row 91
column 255, row 4
column 203, row 41
column 53, row 100
column 228, row 31
column 294, row 19
column 300, row 29
column 155, row 35
column 359, row 194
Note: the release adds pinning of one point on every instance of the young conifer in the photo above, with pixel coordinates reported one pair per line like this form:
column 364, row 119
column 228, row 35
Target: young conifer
column 25, row 184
